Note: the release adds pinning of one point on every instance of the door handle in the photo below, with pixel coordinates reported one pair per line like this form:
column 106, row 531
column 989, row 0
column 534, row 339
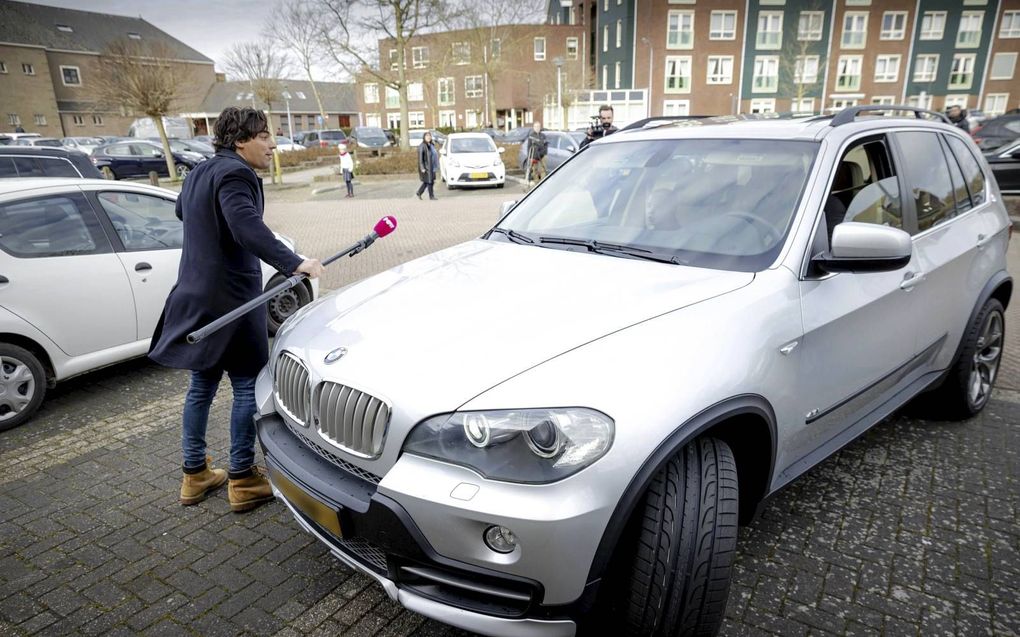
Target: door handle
column 142, row 266
column 982, row 241
column 911, row 279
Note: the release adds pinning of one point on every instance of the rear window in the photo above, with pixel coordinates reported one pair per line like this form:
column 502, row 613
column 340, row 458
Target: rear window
column 377, row 133
column 55, row 167
column 332, row 134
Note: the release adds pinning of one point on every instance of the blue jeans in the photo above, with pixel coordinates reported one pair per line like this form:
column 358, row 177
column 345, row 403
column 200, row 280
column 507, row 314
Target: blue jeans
column 196, row 418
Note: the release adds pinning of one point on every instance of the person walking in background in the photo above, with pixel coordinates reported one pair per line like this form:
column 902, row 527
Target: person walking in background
column 428, row 165
column 538, row 148
column 221, row 205
column 347, row 168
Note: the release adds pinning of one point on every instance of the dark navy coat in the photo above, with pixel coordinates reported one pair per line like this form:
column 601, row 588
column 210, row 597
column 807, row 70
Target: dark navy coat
column 224, row 238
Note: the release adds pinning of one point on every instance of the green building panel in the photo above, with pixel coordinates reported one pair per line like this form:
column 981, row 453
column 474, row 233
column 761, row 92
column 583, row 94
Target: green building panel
column 789, row 50
column 946, row 48
column 624, row 54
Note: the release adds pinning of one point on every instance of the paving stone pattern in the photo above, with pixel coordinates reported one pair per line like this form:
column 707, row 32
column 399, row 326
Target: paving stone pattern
column 914, row 529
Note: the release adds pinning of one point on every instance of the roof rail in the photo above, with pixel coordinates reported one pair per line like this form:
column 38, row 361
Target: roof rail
column 848, row 115
column 662, row 119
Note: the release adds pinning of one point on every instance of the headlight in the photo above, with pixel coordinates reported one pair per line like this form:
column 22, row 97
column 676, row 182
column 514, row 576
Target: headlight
column 498, row 162
column 521, row 445
column 454, row 163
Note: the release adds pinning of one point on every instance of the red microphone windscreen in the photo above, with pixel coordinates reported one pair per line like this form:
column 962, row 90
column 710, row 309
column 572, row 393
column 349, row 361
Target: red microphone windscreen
column 385, row 226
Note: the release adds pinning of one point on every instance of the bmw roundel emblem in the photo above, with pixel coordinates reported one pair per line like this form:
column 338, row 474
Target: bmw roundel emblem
column 335, row 355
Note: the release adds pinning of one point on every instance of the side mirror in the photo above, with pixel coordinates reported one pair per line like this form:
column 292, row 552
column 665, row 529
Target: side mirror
column 157, row 154
column 866, row 247
column 505, row 207
column 501, row 150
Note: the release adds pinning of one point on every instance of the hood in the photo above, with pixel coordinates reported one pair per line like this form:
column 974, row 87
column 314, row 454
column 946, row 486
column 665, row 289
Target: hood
column 433, row 333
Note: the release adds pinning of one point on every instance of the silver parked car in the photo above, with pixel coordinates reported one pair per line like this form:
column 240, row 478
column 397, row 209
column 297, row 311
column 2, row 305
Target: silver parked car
column 679, row 321
column 85, row 268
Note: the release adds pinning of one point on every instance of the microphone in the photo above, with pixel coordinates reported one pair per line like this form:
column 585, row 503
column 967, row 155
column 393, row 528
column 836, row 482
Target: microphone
column 382, row 228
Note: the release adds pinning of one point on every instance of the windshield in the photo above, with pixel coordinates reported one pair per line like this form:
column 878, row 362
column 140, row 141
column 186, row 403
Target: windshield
column 472, row 145
column 48, row 142
column 332, row 134
column 716, row 203
column 371, row 133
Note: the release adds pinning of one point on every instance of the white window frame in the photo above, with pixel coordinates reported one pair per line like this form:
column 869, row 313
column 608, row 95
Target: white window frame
column 963, row 42
column 97, row 120
column 894, row 33
column 858, row 3
column 447, row 119
column 928, row 75
column 13, row 119
column 763, row 105
column 619, row 33
column 920, row 101
column 371, row 93
column 993, row 108
column 849, row 39
column 496, row 48
column 64, row 79
column 27, row 68
column 768, row 38
column 883, row 100
column 419, row 57
column 461, row 53
column 3, row 68
column 723, row 65
column 955, row 100
column 471, row 118
column 936, row 29
column 718, row 19
column 679, row 38
column 392, row 120
column 79, row 120
column 801, row 65
column 846, row 63
column 1011, row 57
column 447, row 97
column 40, row 119
column 605, row 38
column 839, row 103
column 1010, row 28
column 479, row 86
column 803, row 105
column 676, row 107
column 415, row 119
column 572, row 48
column 415, row 92
column 765, row 67
column 371, row 119
column 616, row 76
column 605, row 76
column 891, row 72
column 810, row 32
column 392, row 97
column 539, row 51
column 394, row 60
column 962, row 59
column 680, row 63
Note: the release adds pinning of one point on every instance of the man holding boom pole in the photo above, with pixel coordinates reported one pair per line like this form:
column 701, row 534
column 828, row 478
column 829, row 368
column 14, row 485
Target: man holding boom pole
column 221, row 205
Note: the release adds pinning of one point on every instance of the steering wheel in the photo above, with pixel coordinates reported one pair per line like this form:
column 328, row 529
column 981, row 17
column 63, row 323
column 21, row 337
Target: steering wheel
column 770, row 236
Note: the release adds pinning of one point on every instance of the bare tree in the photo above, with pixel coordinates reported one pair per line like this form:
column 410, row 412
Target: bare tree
column 798, row 49
column 347, row 29
column 292, row 27
column 142, row 77
column 262, row 67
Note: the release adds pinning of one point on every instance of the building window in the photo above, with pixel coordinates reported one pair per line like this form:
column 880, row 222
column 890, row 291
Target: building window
column 803, row 105
column 461, row 53
column 770, row 30
column 371, row 93
column 969, row 35
column 605, row 76
column 571, row 48
column 887, row 68
column 680, row 30
column 809, row 25
column 855, row 30
column 605, row 38
column 300, row 94
column 539, row 49
column 720, row 69
column 858, row 3
column 676, row 107
column 883, row 100
column 723, row 25
column 616, row 76
column 416, row 119
column 13, row 119
column 419, row 57
column 447, row 86
column 392, row 97
column 372, row 119
column 473, row 86
column 1003, row 65
column 3, row 67
column 894, row 25
column 394, row 63
column 962, row 73
column 956, row 100
column 448, row 119
column 678, row 74
column 995, row 103
column 135, row 36
column 393, row 120
column 933, row 25
column 926, row 67
column 97, row 120
column 766, row 74
column 27, row 69
column 619, row 33
column 78, row 120
column 841, row 103
column 805, row 69
column 848, row 73
column 920, row 101
column 573, row 16
column 1010, row 25
column 415, row 92
column 40, row 120
column 63, row 28
column 763, row 105
column 496, row 46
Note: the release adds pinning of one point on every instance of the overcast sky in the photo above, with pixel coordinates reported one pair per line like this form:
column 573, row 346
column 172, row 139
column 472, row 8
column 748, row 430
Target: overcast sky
column 208, row 27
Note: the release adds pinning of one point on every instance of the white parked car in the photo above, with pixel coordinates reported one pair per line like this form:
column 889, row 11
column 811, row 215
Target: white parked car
column 82, row 144
column 85, row 267
column 286, row 144
column 471, row 159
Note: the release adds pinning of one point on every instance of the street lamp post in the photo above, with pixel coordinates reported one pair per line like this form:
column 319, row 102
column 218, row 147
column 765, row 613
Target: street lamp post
column 290, row 121
column 648, row 99
column 558, row 61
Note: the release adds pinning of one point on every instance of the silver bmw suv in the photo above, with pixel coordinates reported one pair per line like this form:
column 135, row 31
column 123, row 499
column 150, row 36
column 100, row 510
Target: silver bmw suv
column 556, row 428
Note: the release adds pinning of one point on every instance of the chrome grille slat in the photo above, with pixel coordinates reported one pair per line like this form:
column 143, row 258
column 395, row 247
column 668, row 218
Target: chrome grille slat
column 331, row 458
column 292, row 388
column 351, row 419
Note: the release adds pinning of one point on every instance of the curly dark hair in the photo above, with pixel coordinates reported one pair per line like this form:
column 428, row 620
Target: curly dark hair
column 238, row 125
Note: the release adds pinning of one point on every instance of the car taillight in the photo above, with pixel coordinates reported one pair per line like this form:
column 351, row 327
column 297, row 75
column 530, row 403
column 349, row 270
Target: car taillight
column 323, row 143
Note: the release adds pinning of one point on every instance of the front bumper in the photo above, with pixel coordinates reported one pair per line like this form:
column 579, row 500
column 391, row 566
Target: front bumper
column 375, row 535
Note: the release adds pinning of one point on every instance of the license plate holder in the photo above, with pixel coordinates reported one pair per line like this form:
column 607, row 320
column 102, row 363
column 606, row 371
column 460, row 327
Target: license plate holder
column 326, row 517
column 479, row 175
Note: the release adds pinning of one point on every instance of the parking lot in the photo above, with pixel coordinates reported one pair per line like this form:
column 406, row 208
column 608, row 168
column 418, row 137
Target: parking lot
column 912, row 530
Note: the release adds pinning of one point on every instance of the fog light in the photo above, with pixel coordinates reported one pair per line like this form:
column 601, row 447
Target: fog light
column 500, row 539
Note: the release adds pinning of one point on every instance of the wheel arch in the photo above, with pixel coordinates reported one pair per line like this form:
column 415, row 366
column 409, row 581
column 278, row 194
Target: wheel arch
column 35, row 348
column 999, row 287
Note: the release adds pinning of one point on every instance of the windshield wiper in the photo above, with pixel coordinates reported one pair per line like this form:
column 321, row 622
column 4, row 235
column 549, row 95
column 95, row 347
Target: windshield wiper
column 514, row 236
column 600, row 247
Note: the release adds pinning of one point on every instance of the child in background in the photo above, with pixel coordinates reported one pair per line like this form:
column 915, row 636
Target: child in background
column 347, row 167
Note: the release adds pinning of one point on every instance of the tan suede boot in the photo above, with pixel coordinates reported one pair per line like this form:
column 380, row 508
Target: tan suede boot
column 247, row 493
column 196, row 487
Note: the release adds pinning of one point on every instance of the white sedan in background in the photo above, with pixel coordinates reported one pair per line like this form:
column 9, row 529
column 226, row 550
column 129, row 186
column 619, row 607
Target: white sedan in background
column 285, row 144
column 85, row 268
column 471, row 159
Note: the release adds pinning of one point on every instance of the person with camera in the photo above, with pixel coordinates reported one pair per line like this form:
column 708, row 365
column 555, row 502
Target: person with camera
column 605, row 127
column 538, row 148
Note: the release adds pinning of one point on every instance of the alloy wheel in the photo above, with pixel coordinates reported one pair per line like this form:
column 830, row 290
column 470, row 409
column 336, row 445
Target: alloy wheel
column 985, row 365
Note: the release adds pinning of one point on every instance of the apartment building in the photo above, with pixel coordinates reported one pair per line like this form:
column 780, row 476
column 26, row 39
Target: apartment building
column 728, row 56
column 49, row 58
column 466, row 79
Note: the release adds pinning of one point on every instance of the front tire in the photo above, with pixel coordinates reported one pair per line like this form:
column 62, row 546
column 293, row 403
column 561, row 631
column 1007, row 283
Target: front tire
column 285, row 304
column 22, row 385
column 686, row 541
column 182, row 170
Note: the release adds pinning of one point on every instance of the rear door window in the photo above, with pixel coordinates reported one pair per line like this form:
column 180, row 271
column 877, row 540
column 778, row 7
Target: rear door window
column 7, row 168
column 53, row 226
column 143, row 222
column 56, row 167
column 28, row 167
column 972, row 174
column 928, row 181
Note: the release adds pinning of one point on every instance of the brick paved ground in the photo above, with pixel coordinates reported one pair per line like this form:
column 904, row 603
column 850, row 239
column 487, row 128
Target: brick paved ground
column 912, row 530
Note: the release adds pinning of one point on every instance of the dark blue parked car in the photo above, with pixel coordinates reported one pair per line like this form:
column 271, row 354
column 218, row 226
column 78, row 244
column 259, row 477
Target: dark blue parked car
column 137, row 158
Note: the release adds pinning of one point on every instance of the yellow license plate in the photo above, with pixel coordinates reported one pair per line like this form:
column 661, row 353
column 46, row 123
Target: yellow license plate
column 324, row 516
column 479, row 175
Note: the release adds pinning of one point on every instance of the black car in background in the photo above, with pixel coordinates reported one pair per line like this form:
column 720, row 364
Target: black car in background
column 370, row 138
column 138, row 158
column 187, row 146
column 30, row 161
column 1005, row 164
column 998, row 131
